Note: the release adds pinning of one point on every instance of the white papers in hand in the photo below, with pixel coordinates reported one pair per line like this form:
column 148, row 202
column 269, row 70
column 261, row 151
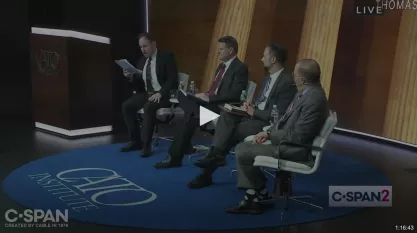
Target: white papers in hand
column 124, row 64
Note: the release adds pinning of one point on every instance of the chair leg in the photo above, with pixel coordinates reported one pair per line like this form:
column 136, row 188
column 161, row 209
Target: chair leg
column 283, row 183
column 156, row 136
column 200, row 149
column 285, row 207
column 303, row 202
column 232, row 172
column 283, row 191
column 268, row 172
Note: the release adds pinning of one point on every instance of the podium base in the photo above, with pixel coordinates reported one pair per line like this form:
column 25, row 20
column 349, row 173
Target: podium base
column 72, row 134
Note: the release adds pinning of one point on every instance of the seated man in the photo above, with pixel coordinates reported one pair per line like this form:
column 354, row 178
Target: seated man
column 277, row 89
column 301, row 123
column 153, row 90
column 230, row 80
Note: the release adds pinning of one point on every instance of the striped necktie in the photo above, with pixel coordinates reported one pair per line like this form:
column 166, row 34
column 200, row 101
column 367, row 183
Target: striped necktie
column 262, row 98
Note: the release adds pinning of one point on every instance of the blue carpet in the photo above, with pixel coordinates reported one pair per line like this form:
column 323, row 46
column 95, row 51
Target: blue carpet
column 168, row 203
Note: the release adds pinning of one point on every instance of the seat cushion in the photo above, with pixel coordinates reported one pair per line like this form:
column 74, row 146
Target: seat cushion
column 285, row 165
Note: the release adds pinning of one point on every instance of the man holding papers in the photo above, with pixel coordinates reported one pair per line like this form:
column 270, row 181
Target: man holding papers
column 156, row 75
column 278, row 89
column 231, row 77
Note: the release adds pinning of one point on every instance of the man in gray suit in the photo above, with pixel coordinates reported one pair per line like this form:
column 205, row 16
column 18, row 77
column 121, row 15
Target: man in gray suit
column 301, row 123
column 278, row 89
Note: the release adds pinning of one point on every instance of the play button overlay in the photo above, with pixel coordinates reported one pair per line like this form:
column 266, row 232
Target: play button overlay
column 207, row 116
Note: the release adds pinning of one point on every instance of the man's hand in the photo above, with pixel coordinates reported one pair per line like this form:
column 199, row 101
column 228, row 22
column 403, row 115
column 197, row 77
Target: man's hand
column 249, row 108
column 155, row 97
column 260, row 138
column 126, row 73
column 203, row 96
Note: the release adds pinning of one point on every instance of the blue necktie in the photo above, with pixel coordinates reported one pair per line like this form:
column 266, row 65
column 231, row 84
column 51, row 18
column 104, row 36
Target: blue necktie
column 262, row 98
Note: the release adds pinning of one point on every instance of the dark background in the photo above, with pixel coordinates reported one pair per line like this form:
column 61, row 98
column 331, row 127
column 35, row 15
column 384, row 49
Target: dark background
column 121, row 21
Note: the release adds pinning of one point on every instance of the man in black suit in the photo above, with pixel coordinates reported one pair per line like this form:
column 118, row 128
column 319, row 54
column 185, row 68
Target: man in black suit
column 278, row 89
column 231, row 78
column 153, row 86
column 301, row 123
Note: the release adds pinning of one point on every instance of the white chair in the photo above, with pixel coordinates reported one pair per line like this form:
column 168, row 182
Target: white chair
column 201, row 149
column 250, row 90
column 165, row 115
column 285, row 168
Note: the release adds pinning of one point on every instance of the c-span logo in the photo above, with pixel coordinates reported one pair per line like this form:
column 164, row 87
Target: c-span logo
column 360, row 196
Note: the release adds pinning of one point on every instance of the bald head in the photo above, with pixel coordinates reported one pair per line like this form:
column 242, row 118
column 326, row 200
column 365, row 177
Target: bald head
column 308, row 70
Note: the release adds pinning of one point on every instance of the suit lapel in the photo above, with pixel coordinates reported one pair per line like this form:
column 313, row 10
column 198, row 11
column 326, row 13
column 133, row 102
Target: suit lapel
column 296, row 104
column 259, row 95
column 228, row 71
column 274, row 88
column 157, row 64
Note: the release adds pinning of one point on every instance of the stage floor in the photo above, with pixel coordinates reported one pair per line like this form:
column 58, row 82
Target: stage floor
column 20, row 145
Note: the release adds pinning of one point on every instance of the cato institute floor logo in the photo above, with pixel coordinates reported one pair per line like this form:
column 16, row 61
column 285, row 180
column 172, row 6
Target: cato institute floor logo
column 36, row 218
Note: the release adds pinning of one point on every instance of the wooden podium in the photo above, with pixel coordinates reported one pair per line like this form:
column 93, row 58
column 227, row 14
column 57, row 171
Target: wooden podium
column 71, row 76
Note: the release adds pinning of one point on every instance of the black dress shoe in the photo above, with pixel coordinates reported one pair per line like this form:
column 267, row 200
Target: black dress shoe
column 131, row 146
column 245, row 207
column 168, row 163
column 211, row 162
column 146, row 152
column 201, row 181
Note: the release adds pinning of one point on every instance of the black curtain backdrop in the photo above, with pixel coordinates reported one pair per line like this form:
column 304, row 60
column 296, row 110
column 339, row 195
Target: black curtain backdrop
column 121, row 21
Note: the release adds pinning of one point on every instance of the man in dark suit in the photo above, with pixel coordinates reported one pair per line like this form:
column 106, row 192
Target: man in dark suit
column 277, row 89
column 231, row 78
column 301, row 123
column 153, row 89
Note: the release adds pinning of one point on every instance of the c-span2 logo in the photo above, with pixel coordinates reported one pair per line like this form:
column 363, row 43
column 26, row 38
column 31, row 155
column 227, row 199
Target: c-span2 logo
column 360, row 196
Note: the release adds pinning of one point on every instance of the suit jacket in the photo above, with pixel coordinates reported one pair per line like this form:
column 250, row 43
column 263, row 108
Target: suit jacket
column 166, row 71
column 282, row 94
column 233, row 83
column 303, row 123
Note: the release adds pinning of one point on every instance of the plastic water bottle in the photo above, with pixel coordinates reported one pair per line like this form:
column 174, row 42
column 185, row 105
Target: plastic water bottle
column 181, row 86
column 192, row 88
column 243, row 97
column 274, row 115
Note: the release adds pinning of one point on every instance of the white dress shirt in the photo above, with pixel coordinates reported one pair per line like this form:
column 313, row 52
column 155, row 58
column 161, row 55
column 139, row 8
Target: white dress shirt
column 227, row 64
column 155, row 84
column 274, row 78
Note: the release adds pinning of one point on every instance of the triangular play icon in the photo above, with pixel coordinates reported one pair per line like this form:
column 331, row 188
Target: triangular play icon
column 207, row 115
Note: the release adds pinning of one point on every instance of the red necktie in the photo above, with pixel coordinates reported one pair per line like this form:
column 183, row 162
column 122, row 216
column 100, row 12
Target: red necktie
column 217, row 80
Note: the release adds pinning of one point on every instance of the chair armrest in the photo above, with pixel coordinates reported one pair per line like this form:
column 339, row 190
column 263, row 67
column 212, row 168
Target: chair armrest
column 311, row 147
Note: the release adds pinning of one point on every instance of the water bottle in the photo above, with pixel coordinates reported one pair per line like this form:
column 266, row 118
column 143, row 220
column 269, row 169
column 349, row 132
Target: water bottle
column 243, row 97
column 181, row 86
column 274, row 115
column 192, row 88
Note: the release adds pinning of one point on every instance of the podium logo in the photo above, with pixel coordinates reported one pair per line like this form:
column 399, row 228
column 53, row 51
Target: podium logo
column 48, row 62
column 360, row 196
